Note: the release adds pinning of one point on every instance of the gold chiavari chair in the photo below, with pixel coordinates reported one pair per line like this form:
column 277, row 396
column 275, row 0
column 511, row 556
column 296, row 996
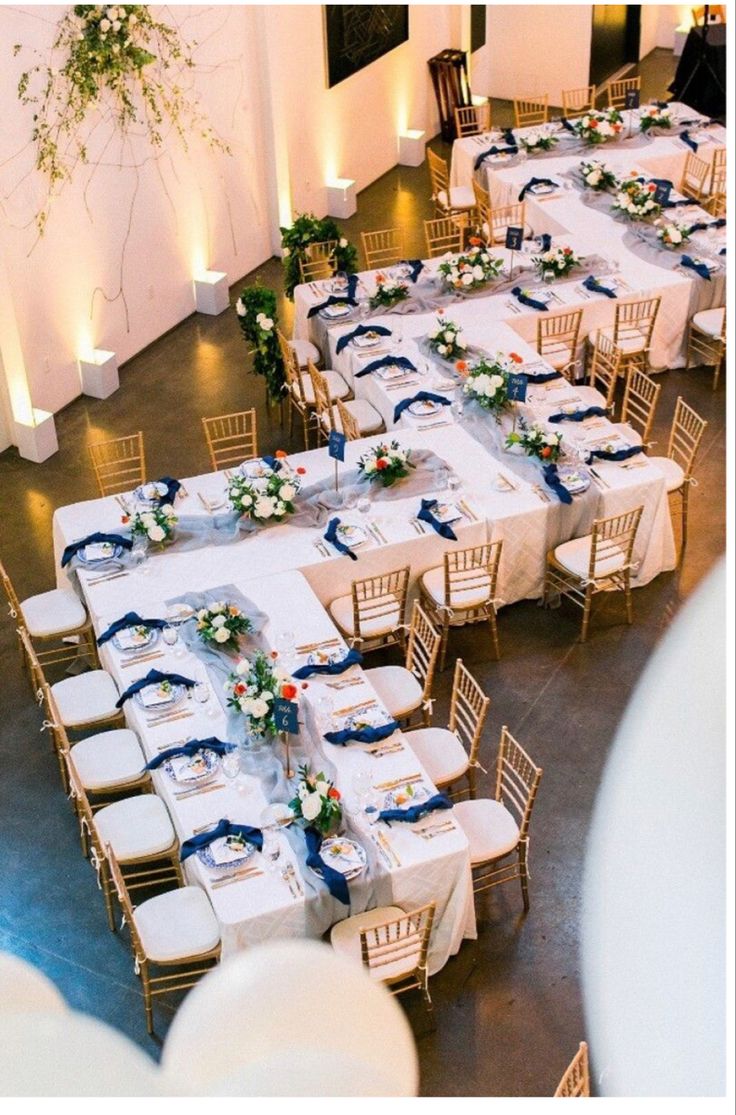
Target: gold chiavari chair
column 348, row 423
column 696, row 176
column 575, row 1082
column 49, row 618
column 483, row 208
column 471, row 120
column 301, row 389
column 177, row 929
column 463, row 591
column 631, row 331
column 374, row 615
column 685, row 437
column 458, row 201
column 617, row 90
column 504, row 215
column 578, row 102
column 498, row 827
column 598, row 562
column 319, row 262
column 606, row 366
column 120, row 464
column 407, row 690
column 383, row 248
column 558, row 336
column 392, row 944
column 451, row 753
column 716, row 203
column 641, row 395
column 706, row 340
column 442, row 235
column 531, row 110
column 231, row 438
column 365, row 416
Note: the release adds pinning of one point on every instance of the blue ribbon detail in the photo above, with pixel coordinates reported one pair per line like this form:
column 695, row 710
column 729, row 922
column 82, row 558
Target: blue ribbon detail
column 425, row 514
column 536, row 182
column 224, row 827
column 359, row 331
column 420, row 397
column 579, row 415
column 526, row 300
column 333, row 300
column 385, row 362
column 333, row 880
column 362, row 735
column 701, row 269
column 130, row 619
column 508, row 150
column 685, row 137
column 416, row 268
column 352, row 658
column 273, row 462
column 617, row 455
column 153, row 677
column 330, row 535
column 553, row 481
column 98, row 536
column 191, row 748
column 591, row 283
column 415, row 812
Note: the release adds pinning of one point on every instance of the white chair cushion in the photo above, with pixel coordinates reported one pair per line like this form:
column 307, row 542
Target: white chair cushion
column 336, row 385
column 368, row 419
column 108, row 759
column 345, row 939
column 710, row 322
column 490, row 828
column 674, row 477
column 557, row 360
column 433, row 582
column 86, row 699
column 461, row 197
column 177, row 924
column 575, row 556
column 135, row 827
column 440, row 752
column 631, row 343
column 341, row 610
column 305, row 350
column 397, row 688
column 50, row 613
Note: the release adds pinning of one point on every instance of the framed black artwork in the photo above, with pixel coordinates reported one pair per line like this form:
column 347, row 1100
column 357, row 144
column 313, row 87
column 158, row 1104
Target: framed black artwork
column 358, row 34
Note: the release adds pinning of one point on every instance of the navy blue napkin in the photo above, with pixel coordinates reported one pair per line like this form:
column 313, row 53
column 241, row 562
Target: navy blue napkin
column 686, row 261
column 130, row 619
column 566, row 124
column 362, row 735
column 553, row 481
column 700, row 225
column 272, row 462
column 191, row 748
column 224, row 827
column 494, row 150
column 541, row 377
column 385, row 362
column 151, row 678
column 352, row 658
column 617, row 455
column 722, row 252
column 425, row 514
column 662, row 104
column 420, row 397
column 526, row 300
column 359, row 331
column 333, row 880
column 330, row 535
column 591, row 283
column 545, row 242
column 333, row 300
column 685, row 137
column 416, row 267
column 172, row 488
column 536, row 182
column 579, row 415
column 98, row 536
column 415, row 812
column 507, row 134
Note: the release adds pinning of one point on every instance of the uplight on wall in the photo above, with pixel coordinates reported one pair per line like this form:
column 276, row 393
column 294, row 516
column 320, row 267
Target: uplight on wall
column 341, row 197
column 211, row 292
column 98, row 373
column 412, row 147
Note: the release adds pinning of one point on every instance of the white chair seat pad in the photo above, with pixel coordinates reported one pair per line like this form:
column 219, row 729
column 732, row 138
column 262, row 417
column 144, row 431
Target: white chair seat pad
column 52, row 612
column 336, row 386
column 86, row 698
column 397, row 689
column 433, row 582
column 305, row 350
column 461, row 197
column 490, row 828
column 177, row 924
column 575, row 556
column 558, row 360
column 630, row 343
column 710, row 322
column 440, row 752
column 135, row 827
column 368, row 419
column 341, row 610
column 674, row 477
column 108, row 759
column 345, row 939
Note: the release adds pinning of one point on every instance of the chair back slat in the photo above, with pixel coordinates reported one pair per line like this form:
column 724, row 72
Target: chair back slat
column 576, row 102
column 531, row 110
column 438, row 175
column 474, row 569
column 120, row 464
column 471, row 120
column 14, row 607
column 617, row 90
column 349, row 424
column 442, row 235
column 558, row 336
column 483, row 205
column 606, row 366
column 695, row 177
column 686, row 435
column 422, row 649
column 320, row 262
column 398, row 941
column 468, row 710
column 231, row 438
column 640, row 402
column 383, row 248
column 613, row 543
column 575, row 1082
column 517, row 780
column 380, row 598
column 322, row 401
column 504, row 215
column 634, row 321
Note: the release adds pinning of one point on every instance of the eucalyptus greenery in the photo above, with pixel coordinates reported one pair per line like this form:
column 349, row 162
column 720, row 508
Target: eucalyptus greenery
column 256, row 310
column 308, row 229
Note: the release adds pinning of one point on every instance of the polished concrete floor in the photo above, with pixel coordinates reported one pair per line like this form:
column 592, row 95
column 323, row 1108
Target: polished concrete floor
column 509, row 1011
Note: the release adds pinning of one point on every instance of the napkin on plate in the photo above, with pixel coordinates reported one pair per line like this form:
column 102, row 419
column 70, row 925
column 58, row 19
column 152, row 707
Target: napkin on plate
column 416, row 265
column 700, row 268
column 98, row 536
column 591, row 283
column 335, row 881
column 616, row 454
column 494, row 150
column 421, row 396
column 153, row 677
column 172, row 488
column 130, row 619
column 352, row 658
column 536, row 182
column 333, row 300
column 525, row 300
column 330, row 535
column 360, row 331
column 362, row 735
column 579, row 415
column 415, row 812
column 224, row 827
column 386, row 362
column 191, row 748
column 553, row 481
column 688, row 140
column 425, row 514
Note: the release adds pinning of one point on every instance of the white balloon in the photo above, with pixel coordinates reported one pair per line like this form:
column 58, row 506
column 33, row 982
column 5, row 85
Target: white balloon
column 653, row 929
column 24, row 989
column 312, row 1071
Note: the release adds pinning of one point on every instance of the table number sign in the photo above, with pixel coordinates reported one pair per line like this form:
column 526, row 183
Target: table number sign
column 286, row 715
column 516, row 387
column 336, row 450
column 662, row 192
column 632, row 99
column 514, row 238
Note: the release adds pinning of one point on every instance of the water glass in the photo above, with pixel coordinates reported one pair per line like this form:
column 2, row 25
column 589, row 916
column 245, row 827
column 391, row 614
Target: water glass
column 169, row 635
column 454, row 483
column 230, row 764
column 324, row 709
column 286, row 646
column 271, row 848
column 340, row 281
column 363, row 507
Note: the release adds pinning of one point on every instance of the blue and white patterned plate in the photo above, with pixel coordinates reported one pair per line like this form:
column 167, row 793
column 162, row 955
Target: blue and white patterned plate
column 342, row 855
column 324, row 657
column 200, row 767
column 134, row 638
column 150, row 494
column 176, row 694
column 404, row 796
column 96, row 553
column 225, row 853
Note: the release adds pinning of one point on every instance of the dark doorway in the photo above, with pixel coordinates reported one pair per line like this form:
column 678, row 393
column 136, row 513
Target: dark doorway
column 615, row 39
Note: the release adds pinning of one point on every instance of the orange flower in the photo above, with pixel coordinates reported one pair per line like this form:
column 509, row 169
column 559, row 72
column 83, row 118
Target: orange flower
column 380, row 278
column 274, row 654
column 516, row 358
column 475, row 241
column 301, row 470
column 125, row 518
column 233, row 610
column 333, row 793
column 461, row 366
column 381, row 463
column 546, row 452
column 280, row 453
column 288, row 691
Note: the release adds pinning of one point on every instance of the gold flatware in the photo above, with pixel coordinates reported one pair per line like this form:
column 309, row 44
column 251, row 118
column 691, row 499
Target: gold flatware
column 345, row 684
column 174, row 743
column 107, row 577
column 241, row 877
column 384, row 854
column 470, row 514
column 603, row 483
column 434, row 425
column 143, row 658
column 305, row 647
column 379, row 532
column 205, row 826
column 370, row 702
column 407, row 780
column 542, row 495
column 380, row 753
column 429, row 834
column 168, row 719
column 208, row 789
column 389, row 848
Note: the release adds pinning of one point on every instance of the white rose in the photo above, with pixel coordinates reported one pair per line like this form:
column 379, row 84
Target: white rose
column 485, row 257
column 468, row 278
column 482, row 383
column 267, row 695
column 105, row 25
column 675, row 236
column 267, row 324
column 449, row 335
column 156, row 533
column 264, row 507
column 116, row 27
column 497, row 380
column 288, row 491
column 442, row 349
column 219, row 621
column 477, row 272
column 112, row 13
column 311, row 806
column 594, row 178
column 286, row 252
column 132, row 20
column 201, row 613
column 460, row 342
column 246, row 499
column 242, row 667
column 343, row 242
column 222, row 635
column 280, row 508
column 322, row 787
column 167, row 510
column 258, row 708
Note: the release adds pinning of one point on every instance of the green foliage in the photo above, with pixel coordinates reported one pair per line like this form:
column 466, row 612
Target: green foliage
column 308, row 229
column 256, row 310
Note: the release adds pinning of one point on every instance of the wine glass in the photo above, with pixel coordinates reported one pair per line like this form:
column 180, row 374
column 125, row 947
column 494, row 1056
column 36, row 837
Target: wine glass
column 324, row 709
column 363, row 507
column 286, row 646
column 362, row 784
column 340, row 282
column 230, row 764
column 271, row 848
column 169, row 635
column 456, row 407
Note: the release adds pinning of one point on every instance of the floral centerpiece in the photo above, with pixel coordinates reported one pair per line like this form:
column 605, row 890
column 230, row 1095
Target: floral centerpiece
column 635, row 199
column 256, row 310
column 267, row 498
column 487, row 382
column 317, row 801
column 470, row 269
column 597, row 176
column 651, row 116
column 223, row 624
column 557, row 262
column 536, row 442
column 447, row 339
column 537, row 141
column 386, row 463
column 156, row 524
column 297, row 240
column 388, row 292
column 253, row 686
column 599, row 127
column 673, row 235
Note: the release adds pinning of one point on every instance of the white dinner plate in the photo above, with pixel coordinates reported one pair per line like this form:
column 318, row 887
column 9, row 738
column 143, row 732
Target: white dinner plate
column 150, row 493
column 447, row 513
column 351, row 535
column 574, row 479
column 225, row 853
column 367, row 340
column 342, row 855
column 134, row 638
column 422, row 408
column 97, row 552
column 334, row 313
column 153, row 697
column 201, row 767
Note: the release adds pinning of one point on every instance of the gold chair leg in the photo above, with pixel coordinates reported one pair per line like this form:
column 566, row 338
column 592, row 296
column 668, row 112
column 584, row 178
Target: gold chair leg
column 443, row 644
column 472, row 782
column 685, row 499
column 494, row 634
column 524, row 876
column 108, row 896
column 586, row 613
column 629, row 599
column 147, row 997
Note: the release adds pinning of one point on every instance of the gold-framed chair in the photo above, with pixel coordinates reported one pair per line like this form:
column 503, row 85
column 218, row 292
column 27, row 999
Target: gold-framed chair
column 529, row 111
column 348, row 422
column 504, row 215
column 451, row 754
column 472, row 120
column 383, row 248
column 716, row 204
column 231, row 438
column 407, row 690
column 457, row 201
column 578, row 102
column 177, row 929
column 706, row 341
column 374, row 614
column 442, row 235
column 462, row 590
column 606, row 365
column 483, row 208
column 498, row 828
column 684, row 441
column 617, row 90
column 598, row 562
column 320, row 261
column 575, row 1081
column 392, row 944
column 119, row 464
column 558, row 336
column 696, row 176
column 300, row 389
column 365, row 416
column 632, row 329
column 641, row 395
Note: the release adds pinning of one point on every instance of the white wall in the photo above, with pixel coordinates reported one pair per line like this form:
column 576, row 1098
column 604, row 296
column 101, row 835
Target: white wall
column 658, row 23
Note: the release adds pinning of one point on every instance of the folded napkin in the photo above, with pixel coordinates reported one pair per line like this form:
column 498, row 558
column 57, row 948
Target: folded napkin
column 591, row 283
column 420, row 397
column 553, row 481
column 700, row 225
column 494, row 150
column 362, row 735
column 541, row 377
column 330, row 535
column 211, row 744
column 686, row 261
column 415, row 812
column 333, row 300
column 579, row 415
column 425, row 514
column 680, row 202
column 224, row 827
column 73, row 547
column 130, row 619
column 722, row 252
column 272, row 462
column 617, row 454
column 352, row 658
column 416, row 267
column 152, row 678
column 172, row 488
column 686, row 138
column 526, row 300
column 566, row 124
column 385, row 362
column 359, row 331
column 662, row 104
column 507, row 134
column 545, row 242
column 334, row 880
column 536, row 182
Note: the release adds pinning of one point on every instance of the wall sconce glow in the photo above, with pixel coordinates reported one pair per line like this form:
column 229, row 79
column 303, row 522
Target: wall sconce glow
column 211, row 292
column 341, row 199
column 199, row 260
column 98, row 373
column 411, row 147
column 478, row 100
column 285, row 215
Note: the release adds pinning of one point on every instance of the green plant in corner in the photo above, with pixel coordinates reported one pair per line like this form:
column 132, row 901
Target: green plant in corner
column 256, row 310
column 306, row 230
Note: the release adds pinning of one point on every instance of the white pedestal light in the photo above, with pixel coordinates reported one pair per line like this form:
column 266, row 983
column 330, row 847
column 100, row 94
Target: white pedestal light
column 98, row 372
column 211, row 292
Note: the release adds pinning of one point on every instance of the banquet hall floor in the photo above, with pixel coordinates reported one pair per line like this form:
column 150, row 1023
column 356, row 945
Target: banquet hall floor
column 508, row 1007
